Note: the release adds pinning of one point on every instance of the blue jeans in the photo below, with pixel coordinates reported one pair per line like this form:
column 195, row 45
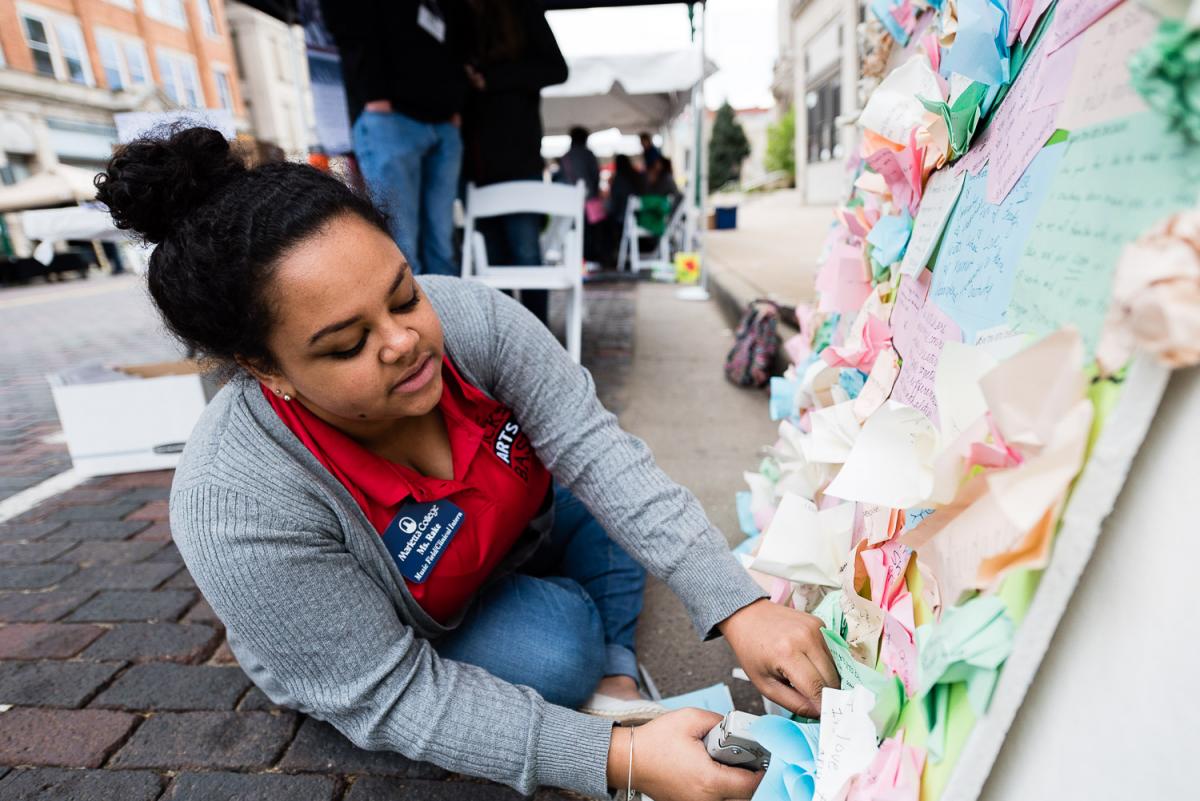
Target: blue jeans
column 513, row 240
column 565, row 621
column 411, row 169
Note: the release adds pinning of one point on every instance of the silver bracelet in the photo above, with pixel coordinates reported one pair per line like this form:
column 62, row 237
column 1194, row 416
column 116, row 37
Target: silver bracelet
column 629, row 780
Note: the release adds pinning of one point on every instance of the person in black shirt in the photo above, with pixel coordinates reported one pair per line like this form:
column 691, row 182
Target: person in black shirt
column 403, row 64
column 516, row 55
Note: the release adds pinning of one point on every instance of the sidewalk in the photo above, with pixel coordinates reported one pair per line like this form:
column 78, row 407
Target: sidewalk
column 772, row 253
column 115, row 679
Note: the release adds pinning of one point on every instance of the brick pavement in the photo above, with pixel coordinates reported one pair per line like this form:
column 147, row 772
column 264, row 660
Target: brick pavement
column 115, row 678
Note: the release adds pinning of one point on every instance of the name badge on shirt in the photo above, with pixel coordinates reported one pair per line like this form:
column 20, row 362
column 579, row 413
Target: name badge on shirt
column 419, row 534
column 431, row 22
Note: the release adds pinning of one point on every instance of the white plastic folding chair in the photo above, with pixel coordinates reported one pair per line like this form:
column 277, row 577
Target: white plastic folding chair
column 519, row 197
column 629, row 251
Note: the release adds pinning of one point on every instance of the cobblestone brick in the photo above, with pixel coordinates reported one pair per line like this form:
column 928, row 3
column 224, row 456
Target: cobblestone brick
column 159, row 642
column 250, row 787
column 145, row 494
column 168, row 553
column 203, row 613
column 31, row 553
column 223, row 655
column 95, row 512
column 158, row 532
column 33, row 577
column 33, row 607
column 320, row 748
column 45, row 640
column 151, row 510
column 99, row 530
column 180, row 581
column 372, row 788
column 207, row 740
column 118, row 606
column 70, row 738
column 174, row 687
column 108, row 552
column 53, row 683
column 56, row 784
column 257, row 701
column 139, row 576
column 12, row 532
column 156, row 478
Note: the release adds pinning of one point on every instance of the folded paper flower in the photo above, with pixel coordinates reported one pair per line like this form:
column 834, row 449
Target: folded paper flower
column 980, row 49
column 870, row 338
column 791, row 775
column 969, row 644
column 885, row 569
column 806, row 545
column 1166, row 73
column 1156, row 297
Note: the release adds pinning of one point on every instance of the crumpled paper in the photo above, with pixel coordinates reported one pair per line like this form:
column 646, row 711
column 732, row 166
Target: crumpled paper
column 894, row 774
column 969, row 644
column 1156, row 297
column 1166, row 73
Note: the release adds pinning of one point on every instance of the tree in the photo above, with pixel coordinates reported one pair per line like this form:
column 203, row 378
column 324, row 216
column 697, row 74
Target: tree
column 781, row 145
column 727, row 148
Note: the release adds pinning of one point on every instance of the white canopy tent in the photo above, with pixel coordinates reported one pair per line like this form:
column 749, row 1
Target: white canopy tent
column 59, row 184
column 642, row 91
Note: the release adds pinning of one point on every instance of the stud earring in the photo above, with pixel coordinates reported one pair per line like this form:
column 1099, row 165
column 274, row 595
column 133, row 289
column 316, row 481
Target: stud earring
column 287, row 397
column 278, row 392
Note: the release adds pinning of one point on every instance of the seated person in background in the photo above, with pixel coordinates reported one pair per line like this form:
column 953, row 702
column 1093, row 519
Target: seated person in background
column 660, row 179
column 626, row 182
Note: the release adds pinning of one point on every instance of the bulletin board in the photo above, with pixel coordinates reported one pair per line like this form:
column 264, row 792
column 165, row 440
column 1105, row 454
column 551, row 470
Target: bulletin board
column 1002, row 296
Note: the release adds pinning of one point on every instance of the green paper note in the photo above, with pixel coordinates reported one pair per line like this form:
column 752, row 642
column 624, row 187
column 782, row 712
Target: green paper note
column 888, row 690
column 1115, row 181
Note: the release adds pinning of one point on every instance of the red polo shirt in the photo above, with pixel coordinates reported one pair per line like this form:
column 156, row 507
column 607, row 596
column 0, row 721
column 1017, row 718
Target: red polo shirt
column 499, row 485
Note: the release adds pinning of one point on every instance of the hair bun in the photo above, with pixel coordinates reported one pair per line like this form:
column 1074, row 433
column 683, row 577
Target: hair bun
column 151, row 184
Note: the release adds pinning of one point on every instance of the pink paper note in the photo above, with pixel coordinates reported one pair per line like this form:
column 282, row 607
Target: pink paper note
column 842, row 280
column 906, row 313
column 1056, row 76
column 1039, row 8
column 1072, row 19
column 1018, row 12
column 916, row 385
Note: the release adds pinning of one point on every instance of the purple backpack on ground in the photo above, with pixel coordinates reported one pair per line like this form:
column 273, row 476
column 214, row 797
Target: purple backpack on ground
column 755, row 344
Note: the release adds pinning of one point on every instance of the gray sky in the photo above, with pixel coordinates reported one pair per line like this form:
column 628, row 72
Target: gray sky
column 741, row 41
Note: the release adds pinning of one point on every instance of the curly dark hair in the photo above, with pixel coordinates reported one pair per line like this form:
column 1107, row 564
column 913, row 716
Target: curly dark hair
column 220, row 230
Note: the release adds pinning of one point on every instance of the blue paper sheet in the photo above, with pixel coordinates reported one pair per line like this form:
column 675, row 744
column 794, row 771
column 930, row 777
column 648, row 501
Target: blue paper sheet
column 882, row 9
column 973, row 274
column 715, row 699
column 793, row 748
column 745, row 517
column 980, row 49
column 782, row 405
column 890, row 238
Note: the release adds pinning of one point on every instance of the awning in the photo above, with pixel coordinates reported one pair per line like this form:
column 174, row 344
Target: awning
column 60, row 184
column 642, row 91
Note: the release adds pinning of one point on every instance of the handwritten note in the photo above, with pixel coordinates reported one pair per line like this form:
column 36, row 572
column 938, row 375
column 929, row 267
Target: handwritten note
column 893, row 110
column 972, row 278
column 917, row 383
column 941, row 193
column 1071, row 19
column 906, row 311
column 1100, row 90
column 847, row 740
column 1039, row 8
column 1116, row 180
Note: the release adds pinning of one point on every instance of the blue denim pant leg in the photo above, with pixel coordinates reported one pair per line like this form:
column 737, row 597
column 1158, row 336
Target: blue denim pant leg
column 390, row 148
column 544, row 633
column 580, row 549
column 440, row 169
column 514, row 240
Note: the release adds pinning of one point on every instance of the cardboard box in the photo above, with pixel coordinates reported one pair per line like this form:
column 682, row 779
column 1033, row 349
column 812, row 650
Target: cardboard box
column 129, row 419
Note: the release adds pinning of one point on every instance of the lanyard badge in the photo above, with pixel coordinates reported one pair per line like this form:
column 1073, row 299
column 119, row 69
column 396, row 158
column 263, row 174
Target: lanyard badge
column 419, row 534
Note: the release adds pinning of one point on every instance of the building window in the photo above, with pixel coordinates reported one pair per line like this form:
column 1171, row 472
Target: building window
column 210, row 19
column 39, row 46
column 56, row 44
column 224, row 89
column 180, row 79
column 824, row 104
column 168, row 11
column 123, row 59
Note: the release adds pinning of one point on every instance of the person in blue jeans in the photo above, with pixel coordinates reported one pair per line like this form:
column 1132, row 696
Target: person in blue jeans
column 403, row 65
column 578, row 597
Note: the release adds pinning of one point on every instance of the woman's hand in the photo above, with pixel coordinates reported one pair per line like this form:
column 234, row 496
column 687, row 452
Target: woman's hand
column 671, row 764
column 782, row 651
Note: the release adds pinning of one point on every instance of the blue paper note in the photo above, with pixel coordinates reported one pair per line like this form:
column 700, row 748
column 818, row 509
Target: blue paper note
column 782, row 405
column 715, row 699
column 890, row 238
column 745, row 516
column 980, row 49
column 882, row 9
column 793, row 748
column 852, row 381
column 973, row 274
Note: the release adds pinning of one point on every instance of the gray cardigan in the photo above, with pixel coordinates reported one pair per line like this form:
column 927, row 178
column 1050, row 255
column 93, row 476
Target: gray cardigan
column 319, row 616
